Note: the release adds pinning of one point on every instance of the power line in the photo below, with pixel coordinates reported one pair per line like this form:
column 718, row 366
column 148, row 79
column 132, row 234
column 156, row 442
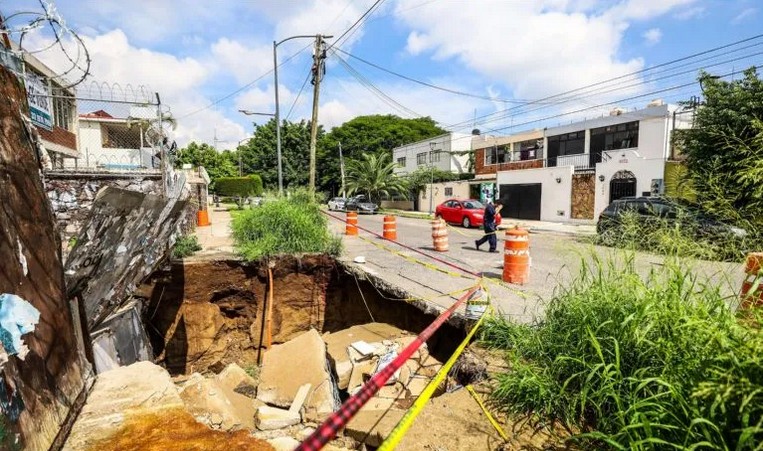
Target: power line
column 309, row 73
column 430, row 85
column 357, row 22
column 228, row 96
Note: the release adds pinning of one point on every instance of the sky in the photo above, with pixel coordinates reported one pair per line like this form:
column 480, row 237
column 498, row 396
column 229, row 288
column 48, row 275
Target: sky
column 209, row 59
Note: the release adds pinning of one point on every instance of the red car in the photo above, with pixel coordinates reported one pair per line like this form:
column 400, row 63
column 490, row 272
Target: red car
column 467, row 212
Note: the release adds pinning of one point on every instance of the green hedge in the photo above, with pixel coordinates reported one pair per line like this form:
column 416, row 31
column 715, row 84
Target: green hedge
column 239, row 186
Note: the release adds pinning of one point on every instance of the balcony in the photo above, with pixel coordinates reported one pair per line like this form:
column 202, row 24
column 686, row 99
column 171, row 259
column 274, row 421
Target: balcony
column 582, row 162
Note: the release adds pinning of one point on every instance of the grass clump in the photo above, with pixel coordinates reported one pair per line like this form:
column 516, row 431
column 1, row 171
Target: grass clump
column 680, row 237
column 637, row 363
column 292, row 225
column 185, row 246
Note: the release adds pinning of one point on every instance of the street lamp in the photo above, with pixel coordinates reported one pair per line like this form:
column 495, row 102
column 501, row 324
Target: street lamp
column 240, row 166
column 432, row 145
column 278, row 109
column 254, row 113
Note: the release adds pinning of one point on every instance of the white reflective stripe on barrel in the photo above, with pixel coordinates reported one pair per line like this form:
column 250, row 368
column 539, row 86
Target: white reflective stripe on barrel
column 517, row 252
column 517, row 238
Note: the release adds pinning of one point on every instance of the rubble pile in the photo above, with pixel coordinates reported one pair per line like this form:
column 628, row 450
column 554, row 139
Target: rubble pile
column 300, row 383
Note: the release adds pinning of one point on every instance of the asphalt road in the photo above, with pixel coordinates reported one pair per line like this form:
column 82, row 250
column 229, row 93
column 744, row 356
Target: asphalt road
column 555, row 260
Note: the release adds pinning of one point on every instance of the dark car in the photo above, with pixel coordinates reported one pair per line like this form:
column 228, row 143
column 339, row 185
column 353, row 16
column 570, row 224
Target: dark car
column 649, row 210
column 467, row 212
column 361, row 204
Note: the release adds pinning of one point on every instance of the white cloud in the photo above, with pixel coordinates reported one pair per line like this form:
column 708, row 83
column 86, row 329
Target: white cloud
column 652, row 36
column 243, row 63
column 537, row 48
column 690, row 13
column 749, row 12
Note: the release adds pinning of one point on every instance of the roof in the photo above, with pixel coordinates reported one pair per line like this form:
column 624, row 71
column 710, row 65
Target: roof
column 100, row 114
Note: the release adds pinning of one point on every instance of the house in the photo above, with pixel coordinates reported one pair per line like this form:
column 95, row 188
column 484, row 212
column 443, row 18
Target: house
column 448, row 153
column 52, row 106
column 113, row 143
column 574, row 171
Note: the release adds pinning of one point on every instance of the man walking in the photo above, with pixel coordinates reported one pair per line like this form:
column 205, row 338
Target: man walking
column 488, row 221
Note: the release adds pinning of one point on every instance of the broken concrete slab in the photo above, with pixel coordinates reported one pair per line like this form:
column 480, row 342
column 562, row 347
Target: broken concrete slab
column 300, row 398
column 283, row 443
column 210, row 404
column 141, row 387
column 372, row 427
column 360, row 372
column 343, row 373
column 269, row 418
column 288, row 366
column 236, row 379
column 366, row 350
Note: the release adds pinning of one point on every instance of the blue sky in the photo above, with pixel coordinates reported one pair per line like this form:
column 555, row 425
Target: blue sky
column 194, row 53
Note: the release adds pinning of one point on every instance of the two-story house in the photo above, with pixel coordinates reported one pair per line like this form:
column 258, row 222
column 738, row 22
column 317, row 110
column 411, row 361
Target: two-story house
column 574, row 171
column 113, row 143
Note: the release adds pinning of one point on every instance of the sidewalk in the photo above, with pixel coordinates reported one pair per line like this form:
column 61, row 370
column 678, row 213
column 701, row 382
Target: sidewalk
column 215, row 240
column 575, row 227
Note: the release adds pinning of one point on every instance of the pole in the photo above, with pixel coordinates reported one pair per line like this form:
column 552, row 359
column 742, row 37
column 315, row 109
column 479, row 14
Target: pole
column 317, row 76
column 431, row 188
column 162, row 156
column 278, row 121
column 341, row 167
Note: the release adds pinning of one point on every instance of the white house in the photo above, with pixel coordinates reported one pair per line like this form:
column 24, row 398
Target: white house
column 448, row 153
column 581, row 167
column 110, row 143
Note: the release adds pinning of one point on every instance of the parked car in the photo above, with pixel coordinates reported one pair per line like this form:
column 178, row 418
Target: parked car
column 337, row 203
column 361, row 204
column 651, row 209
column 467, row 212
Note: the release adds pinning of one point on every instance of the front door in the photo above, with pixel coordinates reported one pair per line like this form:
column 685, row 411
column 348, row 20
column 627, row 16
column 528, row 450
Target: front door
column 521, row 201
column 623, row 184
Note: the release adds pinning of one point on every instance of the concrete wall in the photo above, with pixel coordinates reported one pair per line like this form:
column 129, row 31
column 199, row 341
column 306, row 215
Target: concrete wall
column 555, row 196
column 460, row 190
column 41, row 391
column 645, row 170
column 397, row 204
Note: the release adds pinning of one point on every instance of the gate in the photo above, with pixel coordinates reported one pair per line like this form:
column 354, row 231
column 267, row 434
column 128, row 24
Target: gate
column 521, row 201
column 623, row 184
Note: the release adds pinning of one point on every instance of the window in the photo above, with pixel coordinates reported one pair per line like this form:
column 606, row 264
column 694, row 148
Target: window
column 434, row 156
column 566, row 144
column 63, row 112
column 448, row 191
column 497, row 155
column 421, row 158
column 401, row 162
column 614, row 137
column 528, row 150
column 120, row 137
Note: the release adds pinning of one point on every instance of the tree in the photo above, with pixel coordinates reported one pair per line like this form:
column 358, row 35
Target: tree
column 259, row 154
column 724, row 150
column 375, row 133
column 373, row 175
column 217, row 164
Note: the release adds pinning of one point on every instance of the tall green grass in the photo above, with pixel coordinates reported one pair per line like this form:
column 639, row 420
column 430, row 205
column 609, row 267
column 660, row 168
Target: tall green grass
column 292, row 225
column 679, row 237
column 637, row 363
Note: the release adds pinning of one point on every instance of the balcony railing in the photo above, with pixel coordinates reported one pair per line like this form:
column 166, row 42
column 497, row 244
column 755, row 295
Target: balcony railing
column 582, row 162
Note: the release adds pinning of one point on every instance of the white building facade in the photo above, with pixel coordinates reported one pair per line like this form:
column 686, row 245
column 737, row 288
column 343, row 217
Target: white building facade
column 110, row 143
column 448, row 153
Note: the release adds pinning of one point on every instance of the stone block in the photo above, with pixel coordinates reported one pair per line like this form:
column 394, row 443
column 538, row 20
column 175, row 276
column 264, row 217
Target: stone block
column 269, row 418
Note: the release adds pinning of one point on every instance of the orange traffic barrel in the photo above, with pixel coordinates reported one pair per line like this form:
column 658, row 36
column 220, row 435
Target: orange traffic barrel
column 352, row 223
column 516, row 256
column 439, row 235
column 202, row 218
column 390, row 228
column 754, row 275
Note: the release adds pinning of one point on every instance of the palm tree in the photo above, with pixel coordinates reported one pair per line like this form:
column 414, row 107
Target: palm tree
column 374, row 175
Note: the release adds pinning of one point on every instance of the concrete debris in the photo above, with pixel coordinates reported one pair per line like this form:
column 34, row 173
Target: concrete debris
column 288, row 366
column 299, row 399
column 361, row 372
column 212, row 405
column 372, row 427
column 385, row 360
column 343, row 373
column 235, row 379
column 122, row 339
column 365, row 349
column 142, row 388
column 17, row 318
column 269, row 418
column 283, row 443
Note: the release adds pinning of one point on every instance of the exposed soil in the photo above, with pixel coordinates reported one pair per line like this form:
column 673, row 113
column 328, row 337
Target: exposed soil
column 176, row 430
column 202, row 316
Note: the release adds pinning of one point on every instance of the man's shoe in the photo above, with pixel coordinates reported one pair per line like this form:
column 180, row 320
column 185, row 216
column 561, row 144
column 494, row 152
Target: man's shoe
column 493, row 251
column 477, row 244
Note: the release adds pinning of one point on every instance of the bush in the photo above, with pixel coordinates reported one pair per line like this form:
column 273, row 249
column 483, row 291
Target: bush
column 185, row 246
column 291, row 225
column 239, row 186
column 637, row 363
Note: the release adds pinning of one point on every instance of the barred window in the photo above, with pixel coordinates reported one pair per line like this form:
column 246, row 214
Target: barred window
column 421, row 158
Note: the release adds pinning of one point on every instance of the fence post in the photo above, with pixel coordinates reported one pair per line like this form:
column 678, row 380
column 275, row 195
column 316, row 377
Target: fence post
column 163, row 162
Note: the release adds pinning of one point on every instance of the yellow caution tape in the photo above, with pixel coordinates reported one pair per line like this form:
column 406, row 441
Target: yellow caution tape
column 487, row 413
column 393, row 439
column 415, row 260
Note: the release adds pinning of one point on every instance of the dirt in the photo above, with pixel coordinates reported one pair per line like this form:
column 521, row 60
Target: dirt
column 175, row 430
column 202, row 316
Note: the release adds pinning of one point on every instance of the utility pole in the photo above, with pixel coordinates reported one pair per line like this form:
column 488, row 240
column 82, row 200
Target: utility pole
column 319, row 54
column 341, row 167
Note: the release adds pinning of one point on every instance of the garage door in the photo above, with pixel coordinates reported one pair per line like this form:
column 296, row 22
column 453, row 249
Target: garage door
column 521, row 201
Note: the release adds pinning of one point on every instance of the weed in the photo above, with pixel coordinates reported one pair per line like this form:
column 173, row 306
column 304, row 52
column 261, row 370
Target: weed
column 252, row 370
column 185, row 246
column 659, row 362
column 292, row 225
